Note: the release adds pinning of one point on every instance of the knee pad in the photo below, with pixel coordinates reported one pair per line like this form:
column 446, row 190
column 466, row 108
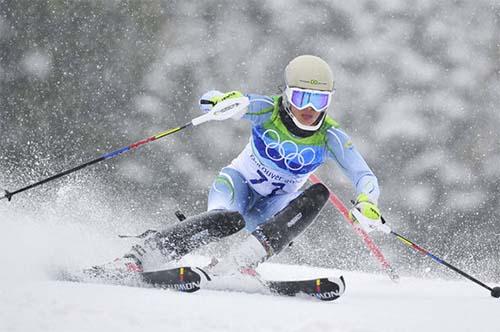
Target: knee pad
column 290, row 222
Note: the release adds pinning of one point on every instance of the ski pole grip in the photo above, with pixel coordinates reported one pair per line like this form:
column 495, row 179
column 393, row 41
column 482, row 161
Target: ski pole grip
column 201, row 119
column 233, row 108
column 385, row 229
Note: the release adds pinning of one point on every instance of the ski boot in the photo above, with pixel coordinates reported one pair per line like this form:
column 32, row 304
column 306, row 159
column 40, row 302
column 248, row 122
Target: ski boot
column 122, row 270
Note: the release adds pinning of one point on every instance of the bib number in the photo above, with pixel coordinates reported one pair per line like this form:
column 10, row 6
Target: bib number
column 263, row 178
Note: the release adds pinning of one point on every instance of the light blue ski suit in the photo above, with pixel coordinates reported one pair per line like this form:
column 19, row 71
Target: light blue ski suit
column 275, row 164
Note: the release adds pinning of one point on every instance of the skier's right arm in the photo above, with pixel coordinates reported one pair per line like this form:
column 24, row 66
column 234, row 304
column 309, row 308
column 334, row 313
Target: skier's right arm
column 259, row 110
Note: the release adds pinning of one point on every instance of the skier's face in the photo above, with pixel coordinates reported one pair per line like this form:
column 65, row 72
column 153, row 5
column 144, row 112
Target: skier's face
column 306, row 116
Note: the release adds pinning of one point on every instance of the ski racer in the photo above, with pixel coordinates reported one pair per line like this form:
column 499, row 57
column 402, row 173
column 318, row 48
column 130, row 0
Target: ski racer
column 260, row 190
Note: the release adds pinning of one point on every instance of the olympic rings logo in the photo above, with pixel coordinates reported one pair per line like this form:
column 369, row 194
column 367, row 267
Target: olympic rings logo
column 287, row 151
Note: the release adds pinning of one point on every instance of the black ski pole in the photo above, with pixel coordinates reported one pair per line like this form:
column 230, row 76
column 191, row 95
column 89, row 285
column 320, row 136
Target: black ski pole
column 495, row 291
column 221, row 111
column 8, row 195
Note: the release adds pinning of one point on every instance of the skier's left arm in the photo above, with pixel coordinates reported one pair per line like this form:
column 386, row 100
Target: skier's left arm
column 341, row 149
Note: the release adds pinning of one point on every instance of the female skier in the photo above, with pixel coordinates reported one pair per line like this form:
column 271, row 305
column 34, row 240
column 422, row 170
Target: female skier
column 260, row 190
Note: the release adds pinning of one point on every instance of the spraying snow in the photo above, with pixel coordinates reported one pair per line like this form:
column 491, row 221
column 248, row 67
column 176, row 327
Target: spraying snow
column 36, row 243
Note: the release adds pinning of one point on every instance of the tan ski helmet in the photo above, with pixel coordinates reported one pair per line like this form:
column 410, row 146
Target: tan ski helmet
column 312, row 73
column 309, row 72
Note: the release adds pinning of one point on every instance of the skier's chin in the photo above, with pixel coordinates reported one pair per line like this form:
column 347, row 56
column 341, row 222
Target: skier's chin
column 307, row 120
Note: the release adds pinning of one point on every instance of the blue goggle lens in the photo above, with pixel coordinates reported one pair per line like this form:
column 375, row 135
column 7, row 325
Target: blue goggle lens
column 318, row 100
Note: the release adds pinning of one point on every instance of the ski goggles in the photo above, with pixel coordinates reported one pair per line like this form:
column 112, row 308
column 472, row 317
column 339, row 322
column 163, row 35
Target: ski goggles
column 302, row 98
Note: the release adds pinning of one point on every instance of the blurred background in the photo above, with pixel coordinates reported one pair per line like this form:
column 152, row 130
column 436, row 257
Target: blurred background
column 417, row 89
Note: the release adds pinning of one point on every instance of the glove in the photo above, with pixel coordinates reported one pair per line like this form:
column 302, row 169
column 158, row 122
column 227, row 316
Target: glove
column 206, row 102
column 212, row 97
column 367, row 215
column 220, row 106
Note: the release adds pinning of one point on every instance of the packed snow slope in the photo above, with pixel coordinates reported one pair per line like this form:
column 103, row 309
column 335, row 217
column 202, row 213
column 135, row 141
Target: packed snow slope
column 34, row 245
column 371, row 303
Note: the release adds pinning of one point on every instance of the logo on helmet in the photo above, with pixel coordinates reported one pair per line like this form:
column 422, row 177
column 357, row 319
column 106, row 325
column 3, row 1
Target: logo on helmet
column 313, row 82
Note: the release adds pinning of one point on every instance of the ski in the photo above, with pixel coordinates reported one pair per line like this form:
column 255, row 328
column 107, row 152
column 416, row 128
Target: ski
column 325, row 289
column 191, row 279
column 184, row 279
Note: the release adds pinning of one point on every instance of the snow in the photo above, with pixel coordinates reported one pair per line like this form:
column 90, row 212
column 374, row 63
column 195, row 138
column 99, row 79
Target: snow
column 371, row 303
column 148, row 105
column 417, row 85
column 33, row 244
column 37, row 63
